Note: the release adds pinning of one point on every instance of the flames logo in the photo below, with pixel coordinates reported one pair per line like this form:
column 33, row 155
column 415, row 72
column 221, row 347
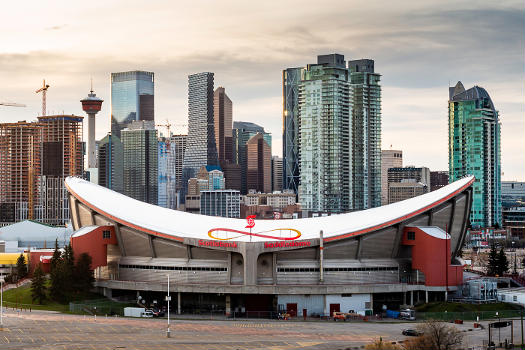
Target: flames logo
column 214, row 232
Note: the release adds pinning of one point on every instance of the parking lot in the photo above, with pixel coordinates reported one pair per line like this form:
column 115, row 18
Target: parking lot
column 48, row 330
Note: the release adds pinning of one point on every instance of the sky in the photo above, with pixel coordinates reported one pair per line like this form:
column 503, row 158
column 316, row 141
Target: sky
column 419, row 47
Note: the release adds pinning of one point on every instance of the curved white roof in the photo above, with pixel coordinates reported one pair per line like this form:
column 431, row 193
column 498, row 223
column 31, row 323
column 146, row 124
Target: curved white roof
column 178, row 225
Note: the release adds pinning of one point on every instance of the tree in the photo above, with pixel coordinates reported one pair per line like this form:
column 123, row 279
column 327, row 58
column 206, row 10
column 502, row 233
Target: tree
column 436, row 336
column 56, row 256
column 21, row 267
column 83, row 274
column 38, row 288
column 381, row 345
column 492, row 266
column 59, row 285
column 503, row 263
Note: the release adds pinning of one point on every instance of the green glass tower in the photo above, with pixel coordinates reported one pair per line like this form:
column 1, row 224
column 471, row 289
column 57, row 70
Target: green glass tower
column 474, row 148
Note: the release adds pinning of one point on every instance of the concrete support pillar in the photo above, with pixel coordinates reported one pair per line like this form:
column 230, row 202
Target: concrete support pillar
column 412, row 297
column 228, row 305
column 426, row 296
column 404, row 298
column 179, row 306
column 325, row 309
column 446, row 295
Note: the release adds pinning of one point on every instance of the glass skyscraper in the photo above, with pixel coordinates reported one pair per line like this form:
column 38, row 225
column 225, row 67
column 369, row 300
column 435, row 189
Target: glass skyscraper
column 132, row 98
column 242, row 133
column 110, row 163
column 291, row 81
column 474, row 149
column 201, row 149
column 366, row 134
column 140, row 148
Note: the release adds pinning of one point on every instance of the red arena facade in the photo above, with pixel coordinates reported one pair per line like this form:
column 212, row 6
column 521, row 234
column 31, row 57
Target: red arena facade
column 396, row 254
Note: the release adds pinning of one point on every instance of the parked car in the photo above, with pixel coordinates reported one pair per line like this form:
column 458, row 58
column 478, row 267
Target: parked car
column 411, row 332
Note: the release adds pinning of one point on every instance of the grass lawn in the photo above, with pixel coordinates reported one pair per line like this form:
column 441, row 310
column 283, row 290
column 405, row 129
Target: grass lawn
column 465, row 307
column 21, row 297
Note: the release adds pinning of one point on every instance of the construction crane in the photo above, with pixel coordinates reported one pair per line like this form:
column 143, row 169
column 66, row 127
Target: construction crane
column 12, row 104
column 167, row 126
column 43, row 90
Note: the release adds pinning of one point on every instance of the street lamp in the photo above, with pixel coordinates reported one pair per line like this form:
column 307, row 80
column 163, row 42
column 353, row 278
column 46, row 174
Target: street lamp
column 168, row 298
column 2, row 304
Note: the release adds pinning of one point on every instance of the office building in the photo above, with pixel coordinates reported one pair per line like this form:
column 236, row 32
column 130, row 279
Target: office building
column 222, row 106
column 19, row 170
column 389, row 159
column 474, row 149
column 258, row 164
column 326, row 136
column 366, row 134
column 291, row 81
column 201, row 149
column 132, row 98
column 421, row 174
column 111, row 163
column 62, row 156
column 242, row 132
column 139, row 141
column 405, row 189
column 438, row 179
column 225, row 203
column 512, row 194
column 232, row 175
column 277, row 173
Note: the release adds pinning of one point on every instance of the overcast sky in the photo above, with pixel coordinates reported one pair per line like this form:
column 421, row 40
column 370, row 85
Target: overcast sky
column 419, row 47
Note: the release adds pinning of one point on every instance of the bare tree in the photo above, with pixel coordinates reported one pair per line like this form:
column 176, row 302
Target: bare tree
column 436, row 336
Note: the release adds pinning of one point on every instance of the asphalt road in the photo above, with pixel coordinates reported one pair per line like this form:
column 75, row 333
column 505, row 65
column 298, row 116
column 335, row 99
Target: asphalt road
column 47, row 330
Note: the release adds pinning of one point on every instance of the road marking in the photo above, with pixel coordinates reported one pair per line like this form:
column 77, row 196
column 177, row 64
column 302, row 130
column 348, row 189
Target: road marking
column 7, row 340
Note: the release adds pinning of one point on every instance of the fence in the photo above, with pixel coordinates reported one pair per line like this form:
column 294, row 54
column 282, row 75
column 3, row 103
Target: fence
column 98, row 307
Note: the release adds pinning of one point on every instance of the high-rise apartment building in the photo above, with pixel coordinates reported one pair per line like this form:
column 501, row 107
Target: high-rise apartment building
column 111, row 163
column 258, row 164
column 62, row 156
column 139, row 141
column 132, row 98
column 166, row 174
column 389, row 159
column 438, row 179
column 178, row 144
column 474, row 149
column 291, row 81
column 201, row 149
column 325, row 107
column 19, row 170
column 277, row 173
column 223, row 125
column 366, row 134
column 242, row 132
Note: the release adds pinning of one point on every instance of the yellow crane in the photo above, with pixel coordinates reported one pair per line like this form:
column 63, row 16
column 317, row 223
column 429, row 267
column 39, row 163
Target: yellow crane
column 43, row 90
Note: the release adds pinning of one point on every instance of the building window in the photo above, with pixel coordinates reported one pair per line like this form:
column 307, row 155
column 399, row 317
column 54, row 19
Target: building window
column 106, row 234
column 411, row 235
column 515, row 298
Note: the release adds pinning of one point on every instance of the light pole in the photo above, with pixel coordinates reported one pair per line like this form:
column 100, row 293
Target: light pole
column 2, row 304
column 168, row 298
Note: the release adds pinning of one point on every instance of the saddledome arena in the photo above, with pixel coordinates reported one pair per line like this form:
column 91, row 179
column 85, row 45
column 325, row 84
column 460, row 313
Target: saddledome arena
column 396, row 254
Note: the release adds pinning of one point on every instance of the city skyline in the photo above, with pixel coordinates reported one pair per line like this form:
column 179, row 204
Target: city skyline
column 415, row 47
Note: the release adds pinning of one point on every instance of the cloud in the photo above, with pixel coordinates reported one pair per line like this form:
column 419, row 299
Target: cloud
column 419, row 47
